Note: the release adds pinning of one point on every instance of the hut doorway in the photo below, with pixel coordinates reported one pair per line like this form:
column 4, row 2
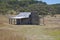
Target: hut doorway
column 18, row 21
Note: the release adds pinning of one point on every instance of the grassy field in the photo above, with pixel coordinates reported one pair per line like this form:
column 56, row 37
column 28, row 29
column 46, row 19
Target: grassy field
column 29, row 32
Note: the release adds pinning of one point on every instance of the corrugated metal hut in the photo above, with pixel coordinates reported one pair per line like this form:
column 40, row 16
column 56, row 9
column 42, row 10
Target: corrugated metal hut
column 23, row 18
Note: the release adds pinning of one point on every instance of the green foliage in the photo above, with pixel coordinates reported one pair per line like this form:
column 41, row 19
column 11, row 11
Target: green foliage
column 29, row 5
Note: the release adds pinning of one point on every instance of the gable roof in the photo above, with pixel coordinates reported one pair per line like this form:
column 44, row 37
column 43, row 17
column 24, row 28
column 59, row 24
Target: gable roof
column 22, row 15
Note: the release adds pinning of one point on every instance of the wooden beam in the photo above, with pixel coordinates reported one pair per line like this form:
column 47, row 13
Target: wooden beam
column 9, row 20
column 14, row 21
column 20, row 21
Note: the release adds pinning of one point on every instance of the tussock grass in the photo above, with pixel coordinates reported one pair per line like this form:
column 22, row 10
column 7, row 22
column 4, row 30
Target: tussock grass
column 28, row 32
column 6, row 34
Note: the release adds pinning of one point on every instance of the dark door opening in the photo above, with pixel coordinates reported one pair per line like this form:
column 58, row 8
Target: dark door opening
column 18, row 21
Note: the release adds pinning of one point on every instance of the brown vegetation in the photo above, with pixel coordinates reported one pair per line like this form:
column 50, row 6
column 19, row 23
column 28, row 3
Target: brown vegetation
column 29, row 32
column 6, row 34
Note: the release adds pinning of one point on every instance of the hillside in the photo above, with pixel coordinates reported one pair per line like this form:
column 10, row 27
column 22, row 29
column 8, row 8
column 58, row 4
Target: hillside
column 20, row 6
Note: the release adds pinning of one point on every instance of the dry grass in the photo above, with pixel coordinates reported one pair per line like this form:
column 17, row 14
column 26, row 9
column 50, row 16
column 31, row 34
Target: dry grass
column 28, row 32
column 6, row 34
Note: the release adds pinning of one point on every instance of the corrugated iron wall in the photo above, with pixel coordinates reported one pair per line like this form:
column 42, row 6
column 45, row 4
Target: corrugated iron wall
column 35, row 18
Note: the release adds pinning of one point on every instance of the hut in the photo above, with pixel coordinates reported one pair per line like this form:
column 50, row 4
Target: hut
column 24, row 18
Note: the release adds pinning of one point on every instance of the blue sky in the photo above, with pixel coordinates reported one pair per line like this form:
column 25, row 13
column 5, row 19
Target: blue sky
column 51, row 1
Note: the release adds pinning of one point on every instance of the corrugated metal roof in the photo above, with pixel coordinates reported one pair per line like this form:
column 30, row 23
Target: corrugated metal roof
column 22, row 15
